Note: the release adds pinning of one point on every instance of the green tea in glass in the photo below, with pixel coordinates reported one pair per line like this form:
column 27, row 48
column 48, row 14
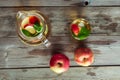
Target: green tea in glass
column 80, row 29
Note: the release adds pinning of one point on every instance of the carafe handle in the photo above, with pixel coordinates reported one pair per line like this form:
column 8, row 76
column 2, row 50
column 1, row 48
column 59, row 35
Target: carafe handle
column 45, row 41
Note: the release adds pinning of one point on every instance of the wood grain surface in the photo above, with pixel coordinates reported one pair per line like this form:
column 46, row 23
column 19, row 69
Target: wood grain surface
column 104, row 20
column 9, row 3
column 76, row 73
column 22, row 62
column 104, row 38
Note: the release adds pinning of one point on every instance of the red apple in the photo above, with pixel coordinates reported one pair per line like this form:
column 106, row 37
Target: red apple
column 29, row 20
column 75, row 29
column 59, row 63
column 84, row 56
column 28, row 25
column 33, row 19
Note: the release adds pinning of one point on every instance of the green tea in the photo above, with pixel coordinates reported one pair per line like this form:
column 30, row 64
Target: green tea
column 31, row 26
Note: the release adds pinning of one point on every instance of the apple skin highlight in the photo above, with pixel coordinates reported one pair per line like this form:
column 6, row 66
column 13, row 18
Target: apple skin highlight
column 59, row 63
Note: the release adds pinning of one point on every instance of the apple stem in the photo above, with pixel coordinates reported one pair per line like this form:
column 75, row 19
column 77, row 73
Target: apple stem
column 85, row 59
column 59, row 64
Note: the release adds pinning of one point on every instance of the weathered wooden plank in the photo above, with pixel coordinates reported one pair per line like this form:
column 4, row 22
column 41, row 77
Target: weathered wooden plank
column 14, row 42
column 76, row 73
column 104, row 20
column 9, row 3
column 15, row 54
column 105, row 3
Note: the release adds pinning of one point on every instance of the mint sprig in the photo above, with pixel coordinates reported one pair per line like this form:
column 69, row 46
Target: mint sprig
column 83, row 33
column 37, row 27
column 27, row 33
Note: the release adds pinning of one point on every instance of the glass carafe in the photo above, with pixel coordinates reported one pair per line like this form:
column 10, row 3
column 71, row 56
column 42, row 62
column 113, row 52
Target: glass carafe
column 32, row 27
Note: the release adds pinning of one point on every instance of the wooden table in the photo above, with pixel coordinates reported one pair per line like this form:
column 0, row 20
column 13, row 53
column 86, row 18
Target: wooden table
column 21, row 62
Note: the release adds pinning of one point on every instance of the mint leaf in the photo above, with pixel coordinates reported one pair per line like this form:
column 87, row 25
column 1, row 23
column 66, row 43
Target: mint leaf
column 38, row 27
column 84, row 33
column 35, row 34
column 26, row 32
